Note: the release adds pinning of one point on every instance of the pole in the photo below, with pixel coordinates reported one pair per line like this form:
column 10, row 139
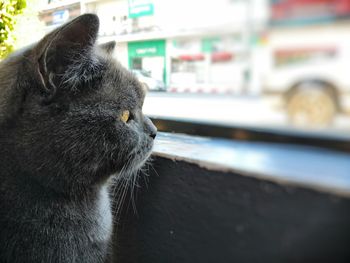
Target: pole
column 248, row 29
column 82, row 7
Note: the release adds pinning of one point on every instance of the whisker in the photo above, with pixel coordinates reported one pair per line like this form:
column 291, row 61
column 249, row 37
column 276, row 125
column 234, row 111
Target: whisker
column 151, row 165
column 133, row 199
column 119, row 187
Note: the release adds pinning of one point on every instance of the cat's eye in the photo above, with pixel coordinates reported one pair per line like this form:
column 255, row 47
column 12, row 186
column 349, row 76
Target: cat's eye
column 125, row 116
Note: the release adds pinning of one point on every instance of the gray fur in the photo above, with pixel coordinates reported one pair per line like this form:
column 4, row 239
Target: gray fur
column 61, row 141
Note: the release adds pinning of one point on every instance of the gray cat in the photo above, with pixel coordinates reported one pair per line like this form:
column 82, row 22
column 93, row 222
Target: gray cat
column 70, row 118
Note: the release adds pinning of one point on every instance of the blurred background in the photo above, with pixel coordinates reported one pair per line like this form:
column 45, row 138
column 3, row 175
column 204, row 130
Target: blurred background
column 266, row 63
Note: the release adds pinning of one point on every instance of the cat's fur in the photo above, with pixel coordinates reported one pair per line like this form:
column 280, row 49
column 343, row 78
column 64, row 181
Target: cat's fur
column 61, row 139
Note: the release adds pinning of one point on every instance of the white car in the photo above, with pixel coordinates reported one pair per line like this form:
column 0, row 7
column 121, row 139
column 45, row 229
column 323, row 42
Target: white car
column 146, row 79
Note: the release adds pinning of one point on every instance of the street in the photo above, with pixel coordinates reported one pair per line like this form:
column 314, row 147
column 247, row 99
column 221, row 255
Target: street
column 236, row 110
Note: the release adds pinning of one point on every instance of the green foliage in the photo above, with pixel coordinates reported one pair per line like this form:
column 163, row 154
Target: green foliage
column 8, row 11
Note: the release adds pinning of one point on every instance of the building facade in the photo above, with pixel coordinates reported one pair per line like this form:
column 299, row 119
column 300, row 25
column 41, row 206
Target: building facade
column 190, row 45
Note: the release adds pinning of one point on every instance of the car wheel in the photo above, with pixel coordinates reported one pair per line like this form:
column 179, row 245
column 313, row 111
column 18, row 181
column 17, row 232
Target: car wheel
column 311, row 105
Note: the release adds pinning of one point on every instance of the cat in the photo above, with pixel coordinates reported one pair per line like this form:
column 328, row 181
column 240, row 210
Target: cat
column 70, row 118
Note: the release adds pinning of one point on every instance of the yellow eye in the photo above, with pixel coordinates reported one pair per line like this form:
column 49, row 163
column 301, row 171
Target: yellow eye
column 125, row 116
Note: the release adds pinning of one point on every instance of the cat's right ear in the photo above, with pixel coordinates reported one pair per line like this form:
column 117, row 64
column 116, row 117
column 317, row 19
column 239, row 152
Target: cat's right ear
column 59, row 50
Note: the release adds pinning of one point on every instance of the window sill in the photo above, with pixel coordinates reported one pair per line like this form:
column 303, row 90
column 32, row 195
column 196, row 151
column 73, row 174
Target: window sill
column 310, row 167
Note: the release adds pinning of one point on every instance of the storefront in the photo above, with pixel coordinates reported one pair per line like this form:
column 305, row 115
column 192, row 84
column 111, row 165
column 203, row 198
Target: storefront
column 301, row 12
column 148, row 56
column 206, row 64
column 192, row 64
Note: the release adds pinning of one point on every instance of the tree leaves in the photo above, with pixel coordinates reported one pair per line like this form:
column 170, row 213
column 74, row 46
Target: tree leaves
column 9, row 9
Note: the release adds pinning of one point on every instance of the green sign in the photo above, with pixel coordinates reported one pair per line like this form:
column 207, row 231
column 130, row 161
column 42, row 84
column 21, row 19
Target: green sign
column 138, row 8
column 208, row 44
column 146, row 48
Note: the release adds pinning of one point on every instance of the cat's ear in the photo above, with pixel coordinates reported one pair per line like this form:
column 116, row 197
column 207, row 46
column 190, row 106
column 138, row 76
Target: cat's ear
column 69, row 44
column 108, row 47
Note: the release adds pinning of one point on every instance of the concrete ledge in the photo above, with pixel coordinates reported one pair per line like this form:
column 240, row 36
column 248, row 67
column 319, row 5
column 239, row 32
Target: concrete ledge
column 311, row 167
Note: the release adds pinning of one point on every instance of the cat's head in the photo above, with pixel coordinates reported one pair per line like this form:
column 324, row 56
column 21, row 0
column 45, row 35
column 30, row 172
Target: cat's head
column 73, row 114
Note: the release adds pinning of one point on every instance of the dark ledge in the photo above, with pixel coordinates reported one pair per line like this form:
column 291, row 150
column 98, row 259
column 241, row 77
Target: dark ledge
column 213, row 200
column 311, row 167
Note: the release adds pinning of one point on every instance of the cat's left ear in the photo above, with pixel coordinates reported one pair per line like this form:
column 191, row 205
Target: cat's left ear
column 69, row 44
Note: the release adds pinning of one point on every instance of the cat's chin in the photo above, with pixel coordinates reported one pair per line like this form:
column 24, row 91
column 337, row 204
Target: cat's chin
column 138, row 163
column 144, row 160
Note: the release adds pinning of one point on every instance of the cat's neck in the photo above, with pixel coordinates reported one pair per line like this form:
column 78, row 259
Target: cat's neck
column 19, row 180
column 14, row 170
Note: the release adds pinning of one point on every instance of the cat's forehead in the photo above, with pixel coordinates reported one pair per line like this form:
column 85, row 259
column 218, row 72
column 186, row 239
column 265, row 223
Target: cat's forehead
column 121, row 84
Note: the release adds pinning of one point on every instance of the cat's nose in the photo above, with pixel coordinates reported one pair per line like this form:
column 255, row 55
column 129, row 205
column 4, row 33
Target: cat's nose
column 153, row 134
column 150, row 128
